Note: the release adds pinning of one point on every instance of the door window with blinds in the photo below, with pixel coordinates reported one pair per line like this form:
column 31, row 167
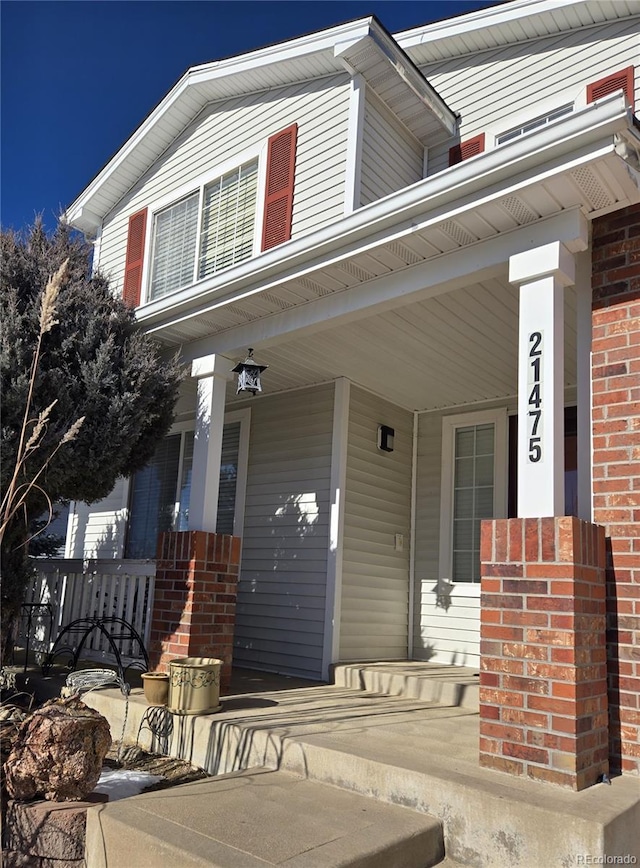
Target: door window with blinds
column 212, row 228
column 160, row 492
column 473, row 488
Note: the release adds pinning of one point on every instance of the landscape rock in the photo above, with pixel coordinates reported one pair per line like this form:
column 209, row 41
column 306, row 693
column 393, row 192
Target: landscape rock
column 58, row 752
column 46, row 833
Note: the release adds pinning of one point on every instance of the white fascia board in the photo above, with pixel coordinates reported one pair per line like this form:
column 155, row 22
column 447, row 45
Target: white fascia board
column 323, row 40
column 505, row 13
column 313, row 43
column 431, row 200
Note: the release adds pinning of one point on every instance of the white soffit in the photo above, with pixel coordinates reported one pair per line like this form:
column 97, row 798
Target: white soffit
column 392, row 75
column 506, row 23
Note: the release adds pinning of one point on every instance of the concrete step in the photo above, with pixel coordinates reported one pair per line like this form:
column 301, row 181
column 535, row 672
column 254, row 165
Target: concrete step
column 428, row 682
column 490, row 820
column 403, row 752
column 256, row 819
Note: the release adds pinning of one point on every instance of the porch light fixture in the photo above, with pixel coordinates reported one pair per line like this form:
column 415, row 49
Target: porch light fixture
column 249, row 374
column 385, row 438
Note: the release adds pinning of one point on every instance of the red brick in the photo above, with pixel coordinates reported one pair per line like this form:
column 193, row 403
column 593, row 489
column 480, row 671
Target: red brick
column 527, row 685
column 501, row 764
column 555, row 706
column 525, row 752
column 501, row 731
column 501, row 601
column 489, row 712
column 531, row 539
column 486, row 541
column 501, row 664
column 501, row 569
column 551, row 776
column 525, row 651
column 525, row 717
column 530, row 619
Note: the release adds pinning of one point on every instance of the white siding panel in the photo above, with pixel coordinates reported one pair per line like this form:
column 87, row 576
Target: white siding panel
column 445, row 630
column 486, row 88
column 391, row 157
column 281, row 593
column 375, row 577
column 320, row 108
column 97, row 530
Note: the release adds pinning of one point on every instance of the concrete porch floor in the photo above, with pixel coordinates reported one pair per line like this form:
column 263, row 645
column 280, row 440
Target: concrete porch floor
column 379, row 769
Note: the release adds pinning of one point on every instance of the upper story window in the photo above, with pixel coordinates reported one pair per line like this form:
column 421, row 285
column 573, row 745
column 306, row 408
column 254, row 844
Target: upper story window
column 211, row 229
column 225, row 219
column 534, row 124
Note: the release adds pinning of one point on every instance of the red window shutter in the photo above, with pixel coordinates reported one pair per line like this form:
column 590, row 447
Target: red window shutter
column 278, row 202
column 622, row 80
column 135, row 258
column 467, row 149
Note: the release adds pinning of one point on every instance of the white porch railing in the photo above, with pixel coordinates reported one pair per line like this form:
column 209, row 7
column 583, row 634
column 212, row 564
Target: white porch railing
column 74, row 589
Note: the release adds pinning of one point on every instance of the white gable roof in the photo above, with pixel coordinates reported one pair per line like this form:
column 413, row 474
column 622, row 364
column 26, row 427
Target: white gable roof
column 506, row 23
column 389, row 64
column 361, row 46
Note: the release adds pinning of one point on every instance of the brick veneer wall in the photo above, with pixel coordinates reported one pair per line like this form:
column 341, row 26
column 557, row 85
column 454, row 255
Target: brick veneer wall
column 616, row 463
column 194, row 607
column 543, row 678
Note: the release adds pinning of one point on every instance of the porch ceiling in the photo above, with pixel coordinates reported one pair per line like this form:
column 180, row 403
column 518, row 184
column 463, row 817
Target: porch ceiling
column 448, row 351
column 409, row 296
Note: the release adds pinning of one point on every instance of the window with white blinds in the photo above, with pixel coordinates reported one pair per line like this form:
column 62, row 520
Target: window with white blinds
column 209, row 230
column 174, row 246
column 228, row 219
column 160, row 492
column 473, row 482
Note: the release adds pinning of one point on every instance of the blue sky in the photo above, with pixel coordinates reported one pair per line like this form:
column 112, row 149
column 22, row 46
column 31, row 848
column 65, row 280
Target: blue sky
column 78, row 77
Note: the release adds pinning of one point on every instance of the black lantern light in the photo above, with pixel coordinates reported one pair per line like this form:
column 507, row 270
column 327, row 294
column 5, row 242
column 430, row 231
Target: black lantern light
column 249, row 374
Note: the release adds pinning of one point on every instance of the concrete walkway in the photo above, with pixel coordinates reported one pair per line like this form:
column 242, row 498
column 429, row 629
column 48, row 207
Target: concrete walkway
column 389, row 748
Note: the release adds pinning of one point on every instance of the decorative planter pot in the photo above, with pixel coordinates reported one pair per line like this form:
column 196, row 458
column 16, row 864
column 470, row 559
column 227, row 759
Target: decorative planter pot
column 194, row 685
column 156, row 687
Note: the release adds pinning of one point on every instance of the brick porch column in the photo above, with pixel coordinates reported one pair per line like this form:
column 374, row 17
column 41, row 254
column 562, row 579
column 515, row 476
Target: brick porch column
column 616, row 463
column 543, row 679
column 194, row 607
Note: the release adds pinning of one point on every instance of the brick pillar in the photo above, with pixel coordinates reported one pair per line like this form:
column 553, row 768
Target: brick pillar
column 616, row 463
column 543, row 678
column 194, row 607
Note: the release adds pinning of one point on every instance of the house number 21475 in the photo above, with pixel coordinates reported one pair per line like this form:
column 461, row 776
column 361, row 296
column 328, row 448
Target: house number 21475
column 534, row 419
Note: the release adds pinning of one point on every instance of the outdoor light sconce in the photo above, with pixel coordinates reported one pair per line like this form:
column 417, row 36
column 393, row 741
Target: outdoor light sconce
column 249, row 374
column 385, row 438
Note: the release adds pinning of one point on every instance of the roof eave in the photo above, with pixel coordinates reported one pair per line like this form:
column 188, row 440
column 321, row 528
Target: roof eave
column 432, row 199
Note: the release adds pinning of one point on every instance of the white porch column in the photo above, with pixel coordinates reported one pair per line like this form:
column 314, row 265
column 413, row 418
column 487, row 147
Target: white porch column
column 541, row 273
column 213, row 373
